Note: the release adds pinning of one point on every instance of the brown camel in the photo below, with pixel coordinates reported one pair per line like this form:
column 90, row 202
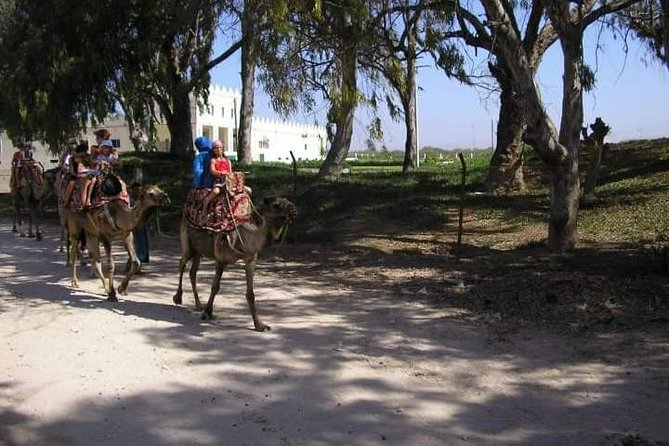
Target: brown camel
column 28, row 191
column 62, row 219
column 115, row 220
column 227, row 248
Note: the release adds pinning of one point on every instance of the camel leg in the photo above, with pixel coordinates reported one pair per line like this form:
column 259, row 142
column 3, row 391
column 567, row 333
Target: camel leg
column 109, row 283
column 134, row 262
column 72, row 258
column 34, row 220
column 215, row 286
column 193, row 281
column 63, row 233
column 30, row 222
column 18, row 221
column 183, row 261
column 94, row 250
column 249, row 269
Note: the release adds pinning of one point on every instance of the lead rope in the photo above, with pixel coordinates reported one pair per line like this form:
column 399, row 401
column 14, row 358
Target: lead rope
column 234, row 221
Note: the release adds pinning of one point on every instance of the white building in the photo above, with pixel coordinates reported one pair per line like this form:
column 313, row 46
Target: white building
column 271, row 140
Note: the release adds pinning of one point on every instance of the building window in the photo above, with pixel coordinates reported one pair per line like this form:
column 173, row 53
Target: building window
column 264, row 143
column 222, row 112
column 116, row 143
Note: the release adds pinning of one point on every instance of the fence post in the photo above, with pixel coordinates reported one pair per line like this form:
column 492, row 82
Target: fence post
column 462, row 204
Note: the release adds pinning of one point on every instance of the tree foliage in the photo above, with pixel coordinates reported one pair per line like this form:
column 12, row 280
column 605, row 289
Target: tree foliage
column 69, row 63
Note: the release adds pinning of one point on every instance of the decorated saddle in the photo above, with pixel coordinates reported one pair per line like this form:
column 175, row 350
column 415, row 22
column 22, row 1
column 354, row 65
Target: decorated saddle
column 107, row 188
column 232, row 207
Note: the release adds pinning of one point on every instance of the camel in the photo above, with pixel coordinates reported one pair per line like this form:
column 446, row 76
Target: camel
column 62, row 220
column 245, row 244
column 114, row 220
column 27, row 192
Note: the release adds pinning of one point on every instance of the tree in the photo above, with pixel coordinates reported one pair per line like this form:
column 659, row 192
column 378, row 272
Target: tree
column 649, row 19
column 255, row 25
column 594, row 144
column 558, row 150
column 505, row 173
column 407, row 29
column 73, row 62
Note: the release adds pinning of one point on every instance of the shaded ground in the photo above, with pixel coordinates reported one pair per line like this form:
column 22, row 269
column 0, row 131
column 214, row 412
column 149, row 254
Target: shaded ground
column 376, row 339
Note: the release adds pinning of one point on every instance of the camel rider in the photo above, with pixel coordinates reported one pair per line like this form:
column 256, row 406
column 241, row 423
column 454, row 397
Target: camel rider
column 73, row 173
column 17, row 162
column 201, row 174
column 64, row 164
column 27, row 167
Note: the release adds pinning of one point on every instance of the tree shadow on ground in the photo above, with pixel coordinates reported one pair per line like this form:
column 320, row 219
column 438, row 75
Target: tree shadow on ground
column 353, row 360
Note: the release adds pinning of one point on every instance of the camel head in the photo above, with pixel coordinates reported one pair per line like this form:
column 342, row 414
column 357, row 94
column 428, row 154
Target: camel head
column 152, row 195
column 278, row 210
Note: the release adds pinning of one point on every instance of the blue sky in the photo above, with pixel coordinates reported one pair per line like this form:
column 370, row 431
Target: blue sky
column 630, row 96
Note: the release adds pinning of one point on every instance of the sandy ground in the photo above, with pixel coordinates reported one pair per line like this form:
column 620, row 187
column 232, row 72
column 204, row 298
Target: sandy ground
column 340, row 367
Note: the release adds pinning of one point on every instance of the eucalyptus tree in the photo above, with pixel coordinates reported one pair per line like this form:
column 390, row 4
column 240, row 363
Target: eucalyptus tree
column 505, row 173
column 338, row 36
column 317, row 51
column 171, row 55
column 50, row 86
column 409, row 29
column 73, row 61
column 558, row 150
column 649, row 20
column 259, row 19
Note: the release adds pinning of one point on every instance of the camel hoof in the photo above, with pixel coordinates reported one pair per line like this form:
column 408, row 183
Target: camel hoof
column 14, row 230
column 177, row 298
column 263, row 327
column 112, row 298
column 207, row 316
column 122, row 290
column 38, row 237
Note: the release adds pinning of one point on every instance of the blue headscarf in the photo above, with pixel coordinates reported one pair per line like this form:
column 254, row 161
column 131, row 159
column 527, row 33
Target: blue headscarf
column 201, row 175
column 203, row 144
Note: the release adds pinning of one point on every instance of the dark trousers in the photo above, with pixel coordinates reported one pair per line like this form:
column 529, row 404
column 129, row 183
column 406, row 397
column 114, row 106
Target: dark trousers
column 141, row 238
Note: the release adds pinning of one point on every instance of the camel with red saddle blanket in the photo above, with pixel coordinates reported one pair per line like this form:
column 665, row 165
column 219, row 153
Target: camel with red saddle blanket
column 104, row 222
column 232, row 230
column 28, row 189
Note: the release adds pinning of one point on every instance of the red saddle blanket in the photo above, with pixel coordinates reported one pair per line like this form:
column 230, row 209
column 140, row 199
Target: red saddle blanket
column 98, row 199
column 224, row 212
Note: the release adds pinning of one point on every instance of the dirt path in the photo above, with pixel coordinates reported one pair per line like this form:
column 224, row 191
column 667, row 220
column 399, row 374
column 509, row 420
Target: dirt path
column 340, row 366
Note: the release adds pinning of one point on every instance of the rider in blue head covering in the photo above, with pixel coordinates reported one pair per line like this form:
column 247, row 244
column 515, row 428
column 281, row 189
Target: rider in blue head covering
column 201, row 175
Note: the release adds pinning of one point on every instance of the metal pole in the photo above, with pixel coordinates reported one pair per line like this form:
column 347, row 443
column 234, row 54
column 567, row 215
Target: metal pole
column 415, row 115
column 492, row 135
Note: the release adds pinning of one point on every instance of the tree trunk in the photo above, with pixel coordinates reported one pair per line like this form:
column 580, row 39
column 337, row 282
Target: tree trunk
column 409, row 102
column 595, row 144
column 505, row 174
column 179, row 124
column 565, row 187
column 243, row 141
column 343, row 113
